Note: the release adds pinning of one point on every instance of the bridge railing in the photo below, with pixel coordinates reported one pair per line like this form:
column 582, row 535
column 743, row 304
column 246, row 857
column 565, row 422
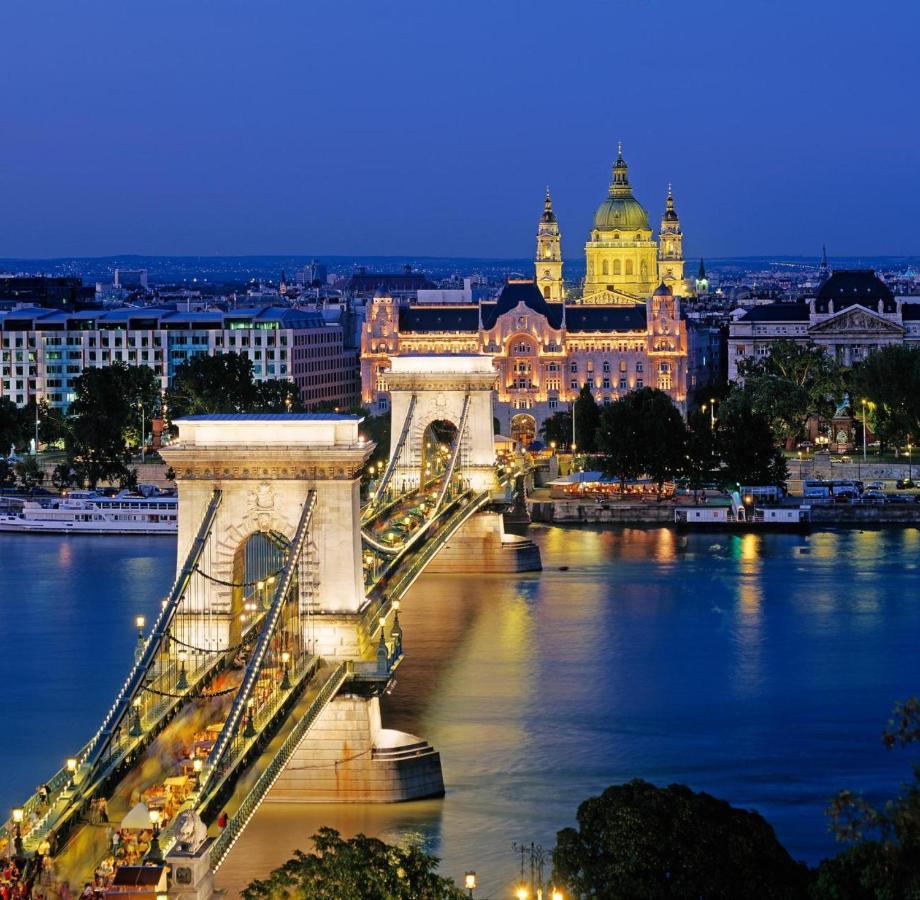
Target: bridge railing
column 228, row 837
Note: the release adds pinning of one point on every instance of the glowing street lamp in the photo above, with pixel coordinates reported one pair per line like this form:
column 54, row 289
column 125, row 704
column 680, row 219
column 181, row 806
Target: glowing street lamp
column 17, row 815
column 182, row 683
column 155, row 854
column 136, row 729
column 140, row 621
column 249, row 731
column 469, row 882
column 522, row 893
column 285, row 680
column 556, row 894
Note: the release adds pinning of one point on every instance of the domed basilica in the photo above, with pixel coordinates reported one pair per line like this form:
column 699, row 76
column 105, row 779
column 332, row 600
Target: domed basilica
column 623, row 262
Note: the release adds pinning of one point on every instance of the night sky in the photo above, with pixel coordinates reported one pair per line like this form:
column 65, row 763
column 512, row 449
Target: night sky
column 403, row 127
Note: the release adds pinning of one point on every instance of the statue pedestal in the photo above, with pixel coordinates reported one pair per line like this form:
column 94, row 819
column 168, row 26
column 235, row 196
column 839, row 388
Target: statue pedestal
column 191, row 878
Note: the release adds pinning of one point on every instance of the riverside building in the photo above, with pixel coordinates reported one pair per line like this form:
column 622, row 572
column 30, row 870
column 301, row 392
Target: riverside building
column 851, row 314
column 42, row 353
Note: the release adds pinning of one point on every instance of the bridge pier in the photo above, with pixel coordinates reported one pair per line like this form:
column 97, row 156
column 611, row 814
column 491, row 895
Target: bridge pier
column 483, row 545
column 349, row 757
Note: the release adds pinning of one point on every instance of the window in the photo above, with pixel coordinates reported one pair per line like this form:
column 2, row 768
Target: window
column 664, row 367
column 639, row 366
column 639, row 384
column 605, row 269
column 617, row 269
column 629, row 267
column 552, row 404
column 573, row 367
column 622, row 384
column 606, row 365
column 574, row 384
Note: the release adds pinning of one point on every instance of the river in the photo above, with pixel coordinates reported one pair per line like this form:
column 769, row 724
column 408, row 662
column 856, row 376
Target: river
column 759, row 668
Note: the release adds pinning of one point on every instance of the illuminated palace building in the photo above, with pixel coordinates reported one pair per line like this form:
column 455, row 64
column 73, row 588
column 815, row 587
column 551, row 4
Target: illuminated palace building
column 623, row 330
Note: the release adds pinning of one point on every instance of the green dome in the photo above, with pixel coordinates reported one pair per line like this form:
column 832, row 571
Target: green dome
column 620, row 209
column 620, row 212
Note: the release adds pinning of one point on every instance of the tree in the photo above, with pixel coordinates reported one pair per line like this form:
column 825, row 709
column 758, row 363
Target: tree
column 745, row 445
column 11, row 425
column 360, row 868
column 642, row 433
column 212, row 384
column 639, row 840
column 103, row 415
column 587, row 420
column 702, row 460
column 276, row 395
column 63, row 476
column 884, row 860
column 890, row 379
column 791, row 384
column 30, row 473
column 558, row 428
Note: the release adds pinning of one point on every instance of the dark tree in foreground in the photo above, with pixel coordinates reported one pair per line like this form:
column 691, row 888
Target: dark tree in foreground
column 360, row 868
column 212, row 384
column 587, row 419
column 642, row 433
column 638, row 840
column 884, row 861
column 745, row 443
column 558, row 428
column 104, row 414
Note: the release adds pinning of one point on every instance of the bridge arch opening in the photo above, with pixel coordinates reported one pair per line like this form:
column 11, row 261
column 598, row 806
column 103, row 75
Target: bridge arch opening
column 257, row 564
column 437, row 443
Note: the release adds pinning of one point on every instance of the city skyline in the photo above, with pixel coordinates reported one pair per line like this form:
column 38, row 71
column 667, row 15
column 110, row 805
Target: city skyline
column 434, row 133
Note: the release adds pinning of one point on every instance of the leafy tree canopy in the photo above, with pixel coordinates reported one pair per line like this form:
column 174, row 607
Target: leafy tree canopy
column 212, row 384
column 104, row 415
column 795, row 381
column 890, row 379
column 587, row 420
column 642, row 433
column 639, row 840
column 746, row 446
column 558, row 428
column 359, row 868
column 884, row 860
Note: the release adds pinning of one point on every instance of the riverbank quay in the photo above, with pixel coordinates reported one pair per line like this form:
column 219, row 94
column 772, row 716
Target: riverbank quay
column 588, row 512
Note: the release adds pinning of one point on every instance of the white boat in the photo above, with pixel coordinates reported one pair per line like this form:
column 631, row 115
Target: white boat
column 88, row 512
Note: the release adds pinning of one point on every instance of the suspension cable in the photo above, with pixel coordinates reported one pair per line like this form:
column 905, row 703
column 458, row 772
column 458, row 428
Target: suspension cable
column 240, row 584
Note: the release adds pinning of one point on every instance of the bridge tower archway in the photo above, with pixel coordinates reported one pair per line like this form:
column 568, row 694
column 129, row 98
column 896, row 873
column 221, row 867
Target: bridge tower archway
column 426, row 390
column 266, row 467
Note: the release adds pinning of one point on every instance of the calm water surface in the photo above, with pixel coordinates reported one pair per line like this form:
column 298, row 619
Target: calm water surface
column 760, row 668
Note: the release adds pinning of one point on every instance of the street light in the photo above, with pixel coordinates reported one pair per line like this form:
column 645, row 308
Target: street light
column 182, row 682
column 522, row 893
column 17, row 815
column 140, row 621
column 910, row 467
column 556, row 894
column 285, row 680
column 140, row 406
column 469, row 882
column 155, row 854
column 712, row 412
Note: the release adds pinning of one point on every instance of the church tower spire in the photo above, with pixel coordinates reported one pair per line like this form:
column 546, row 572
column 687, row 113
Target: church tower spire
column 548, row 262
column 671, row 249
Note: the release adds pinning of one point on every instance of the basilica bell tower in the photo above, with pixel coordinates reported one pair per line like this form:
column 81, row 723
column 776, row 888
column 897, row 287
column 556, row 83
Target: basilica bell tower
column 671, row 250
column 548, row 263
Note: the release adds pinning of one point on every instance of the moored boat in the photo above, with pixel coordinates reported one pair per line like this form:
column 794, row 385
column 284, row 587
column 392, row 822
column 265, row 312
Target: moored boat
column 89, row 512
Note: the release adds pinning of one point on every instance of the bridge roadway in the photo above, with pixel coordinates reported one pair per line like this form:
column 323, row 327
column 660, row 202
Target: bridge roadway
column 256, row 764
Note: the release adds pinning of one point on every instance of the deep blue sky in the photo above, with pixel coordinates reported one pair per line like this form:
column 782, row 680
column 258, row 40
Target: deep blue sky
column 404, row 127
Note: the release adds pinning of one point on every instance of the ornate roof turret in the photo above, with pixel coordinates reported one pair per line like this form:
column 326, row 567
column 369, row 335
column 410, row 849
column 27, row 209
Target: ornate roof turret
column 548, row 215
column 620, row 209
column 670, row 214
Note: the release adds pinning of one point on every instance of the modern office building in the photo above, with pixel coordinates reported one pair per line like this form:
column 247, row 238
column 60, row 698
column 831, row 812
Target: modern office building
column 42, row 353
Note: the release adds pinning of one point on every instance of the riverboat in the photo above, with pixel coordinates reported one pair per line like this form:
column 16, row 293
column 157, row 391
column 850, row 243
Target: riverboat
column 89, row 512
column 739, row 516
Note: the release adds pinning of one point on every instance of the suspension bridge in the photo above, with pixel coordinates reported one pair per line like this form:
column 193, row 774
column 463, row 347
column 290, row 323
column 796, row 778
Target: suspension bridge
column 284, row 609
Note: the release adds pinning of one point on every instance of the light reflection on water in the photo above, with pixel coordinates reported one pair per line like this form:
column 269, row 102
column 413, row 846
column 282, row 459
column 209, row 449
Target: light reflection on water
column 758, row 667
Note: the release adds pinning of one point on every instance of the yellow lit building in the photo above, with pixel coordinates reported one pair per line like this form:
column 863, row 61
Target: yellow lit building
column 623, row 261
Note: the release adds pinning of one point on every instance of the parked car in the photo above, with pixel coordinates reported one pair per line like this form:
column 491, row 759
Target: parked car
column 875, row 486
column 844, row 497
column 874, row 497
column 804, row 445
column 900, row 498
column 904, row 484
